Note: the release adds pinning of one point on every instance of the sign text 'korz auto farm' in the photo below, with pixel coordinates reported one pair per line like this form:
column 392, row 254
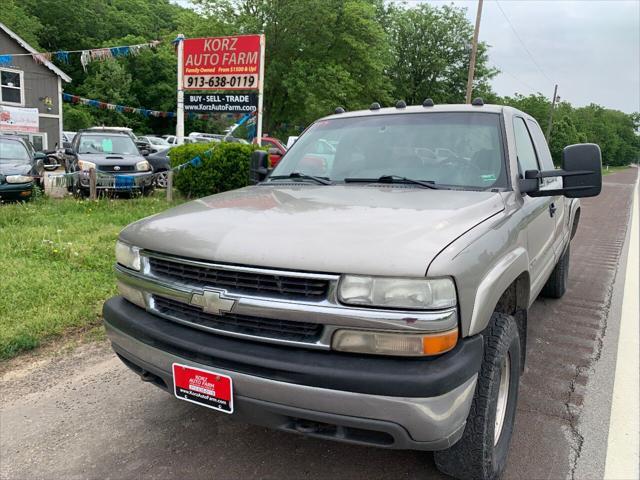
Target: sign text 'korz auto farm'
column 222, row 63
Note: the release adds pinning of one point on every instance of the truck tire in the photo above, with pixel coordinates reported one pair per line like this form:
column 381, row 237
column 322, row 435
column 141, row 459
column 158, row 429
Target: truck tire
column 481, row 453
column 557, row 283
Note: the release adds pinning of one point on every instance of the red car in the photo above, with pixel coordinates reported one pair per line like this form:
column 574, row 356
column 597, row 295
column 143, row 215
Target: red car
column 276, row 149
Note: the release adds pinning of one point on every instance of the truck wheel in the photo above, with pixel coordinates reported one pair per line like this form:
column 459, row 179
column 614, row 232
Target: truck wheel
column 557, row 283
column 481, row 453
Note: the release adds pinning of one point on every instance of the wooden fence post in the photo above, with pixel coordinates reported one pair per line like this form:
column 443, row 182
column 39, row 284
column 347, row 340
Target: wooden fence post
column 170, row 186
column 92, row 185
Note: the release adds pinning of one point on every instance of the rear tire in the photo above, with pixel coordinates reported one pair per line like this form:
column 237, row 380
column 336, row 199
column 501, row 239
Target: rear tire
column 556, row 286
column 481, row 453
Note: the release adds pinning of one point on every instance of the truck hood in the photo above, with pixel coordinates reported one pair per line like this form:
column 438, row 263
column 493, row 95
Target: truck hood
column 14, row 168
column 376, row 230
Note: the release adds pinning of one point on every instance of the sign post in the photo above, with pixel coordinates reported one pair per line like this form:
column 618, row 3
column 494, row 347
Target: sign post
column 220, row 64
column 180, row 109
column 260, row 93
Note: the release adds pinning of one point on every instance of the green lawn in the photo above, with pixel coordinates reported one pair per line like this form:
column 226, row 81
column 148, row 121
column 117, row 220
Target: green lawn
column 56, row 261
column 613, row 169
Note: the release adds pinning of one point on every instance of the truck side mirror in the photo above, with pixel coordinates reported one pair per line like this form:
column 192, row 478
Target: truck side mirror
column 581, row 173
column 585, row 161
column 259, row 166
column 69, row 151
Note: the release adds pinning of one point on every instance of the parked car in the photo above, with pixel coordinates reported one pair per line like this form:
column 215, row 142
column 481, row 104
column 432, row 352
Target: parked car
column 67, row 138
column 377, row 297
column 152, row 144
column 160, row 164
column 276, row 149
column 215, row 137
column 111, row 152
column 21, row 167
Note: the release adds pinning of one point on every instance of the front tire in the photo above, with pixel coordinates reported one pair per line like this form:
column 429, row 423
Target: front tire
column 482, row 451
column 557, row 283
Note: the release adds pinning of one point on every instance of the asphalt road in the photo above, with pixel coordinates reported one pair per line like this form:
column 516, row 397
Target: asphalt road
column 84, row 415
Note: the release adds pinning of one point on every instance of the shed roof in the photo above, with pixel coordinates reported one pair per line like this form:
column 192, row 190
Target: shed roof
column 30, row 49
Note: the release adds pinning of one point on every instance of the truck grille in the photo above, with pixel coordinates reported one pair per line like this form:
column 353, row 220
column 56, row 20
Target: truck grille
column 244, row 324
column 240, row 282
column 112, row 169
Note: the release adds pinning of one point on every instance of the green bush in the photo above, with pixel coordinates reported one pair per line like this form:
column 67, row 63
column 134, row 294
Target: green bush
column 225, row 167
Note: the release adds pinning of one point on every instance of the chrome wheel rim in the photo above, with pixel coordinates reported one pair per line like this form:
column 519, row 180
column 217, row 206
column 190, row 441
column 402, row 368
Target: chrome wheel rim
column 503, row 397
column 161, row 180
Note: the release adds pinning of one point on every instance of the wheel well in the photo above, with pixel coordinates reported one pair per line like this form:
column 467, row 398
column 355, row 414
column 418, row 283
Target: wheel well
column 515, row 301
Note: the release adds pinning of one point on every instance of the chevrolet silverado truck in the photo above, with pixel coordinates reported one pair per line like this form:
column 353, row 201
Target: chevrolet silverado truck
column 375, row 292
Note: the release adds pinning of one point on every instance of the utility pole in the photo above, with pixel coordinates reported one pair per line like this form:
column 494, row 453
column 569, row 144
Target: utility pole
column 553, row 106
column 474, row 51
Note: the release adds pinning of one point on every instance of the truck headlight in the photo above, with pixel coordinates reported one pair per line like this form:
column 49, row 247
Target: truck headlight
column 399, row 344
column 18, row 178
column 143, row 166
column 86, row 166
column 127, row 255
column 408, row 293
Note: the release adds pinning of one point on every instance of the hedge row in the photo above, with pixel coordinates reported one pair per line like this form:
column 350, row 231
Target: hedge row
column 225, row 168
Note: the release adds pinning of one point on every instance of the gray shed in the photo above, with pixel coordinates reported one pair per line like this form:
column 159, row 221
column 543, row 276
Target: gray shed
column 30, row 93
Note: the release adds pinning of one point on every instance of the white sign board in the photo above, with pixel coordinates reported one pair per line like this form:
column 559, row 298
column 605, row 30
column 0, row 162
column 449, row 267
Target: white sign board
column 16, row 119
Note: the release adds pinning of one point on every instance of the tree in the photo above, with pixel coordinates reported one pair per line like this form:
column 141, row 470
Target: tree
column 431, row 52
column 320, row 54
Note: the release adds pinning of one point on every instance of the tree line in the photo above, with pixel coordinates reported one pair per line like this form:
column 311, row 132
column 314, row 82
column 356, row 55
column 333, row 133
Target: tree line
column 319, row 54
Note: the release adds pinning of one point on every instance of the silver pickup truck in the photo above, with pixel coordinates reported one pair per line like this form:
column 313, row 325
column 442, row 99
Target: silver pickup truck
column 372, row 289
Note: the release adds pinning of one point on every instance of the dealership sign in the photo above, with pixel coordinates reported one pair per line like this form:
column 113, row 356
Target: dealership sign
column 222, row 63
column 221, row 102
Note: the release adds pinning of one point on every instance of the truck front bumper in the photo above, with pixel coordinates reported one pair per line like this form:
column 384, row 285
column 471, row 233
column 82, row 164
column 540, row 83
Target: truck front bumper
column 419, row 404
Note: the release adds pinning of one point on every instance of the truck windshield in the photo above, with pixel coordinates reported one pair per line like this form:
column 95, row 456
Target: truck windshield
column 449, row 149
column 107, row 144
column 12, row 151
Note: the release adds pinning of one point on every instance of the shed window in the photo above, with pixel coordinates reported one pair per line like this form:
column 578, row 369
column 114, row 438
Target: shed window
column 11, row 87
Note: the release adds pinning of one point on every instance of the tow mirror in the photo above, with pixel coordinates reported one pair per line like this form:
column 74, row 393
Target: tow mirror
column 259, row 166
column 584, row 161
column 69, row 151
column 581, row 173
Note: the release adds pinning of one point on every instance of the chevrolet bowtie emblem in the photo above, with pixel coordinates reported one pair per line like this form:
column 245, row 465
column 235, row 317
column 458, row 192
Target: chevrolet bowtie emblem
column 213, row 301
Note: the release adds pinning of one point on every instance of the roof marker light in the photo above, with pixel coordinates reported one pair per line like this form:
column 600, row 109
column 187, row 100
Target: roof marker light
column 477, row 102
column 374, row 106
column 401, row 104
column 339, row 110
column 428, row 103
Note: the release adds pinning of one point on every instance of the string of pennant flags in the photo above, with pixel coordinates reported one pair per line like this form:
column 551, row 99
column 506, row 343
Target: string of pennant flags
column 86, row 56
column 75, row 99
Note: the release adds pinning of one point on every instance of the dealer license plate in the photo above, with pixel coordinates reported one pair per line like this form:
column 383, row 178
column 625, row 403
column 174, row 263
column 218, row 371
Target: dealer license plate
column 208, row 389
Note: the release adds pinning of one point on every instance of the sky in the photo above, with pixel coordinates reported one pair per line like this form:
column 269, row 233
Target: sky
column 590, row 48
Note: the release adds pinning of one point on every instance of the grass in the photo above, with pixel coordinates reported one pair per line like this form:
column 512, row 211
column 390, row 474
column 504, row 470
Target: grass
column 613, row 169
column 56, row 265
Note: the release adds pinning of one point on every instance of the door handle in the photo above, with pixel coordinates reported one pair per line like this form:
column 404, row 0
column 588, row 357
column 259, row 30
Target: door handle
column 552, row 209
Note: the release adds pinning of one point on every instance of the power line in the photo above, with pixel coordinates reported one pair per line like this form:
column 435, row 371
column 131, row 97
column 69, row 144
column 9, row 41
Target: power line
column 522, row 43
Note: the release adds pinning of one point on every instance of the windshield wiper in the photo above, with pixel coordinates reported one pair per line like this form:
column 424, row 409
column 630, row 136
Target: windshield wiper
column 394, row 179
column 303, row 176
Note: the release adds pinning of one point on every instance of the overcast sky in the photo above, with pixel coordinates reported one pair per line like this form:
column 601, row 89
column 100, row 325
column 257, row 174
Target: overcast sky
column 591, row 48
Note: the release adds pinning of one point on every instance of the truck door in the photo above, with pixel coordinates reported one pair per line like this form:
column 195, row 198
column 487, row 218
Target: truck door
column 553, row 183
column 538, row 212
